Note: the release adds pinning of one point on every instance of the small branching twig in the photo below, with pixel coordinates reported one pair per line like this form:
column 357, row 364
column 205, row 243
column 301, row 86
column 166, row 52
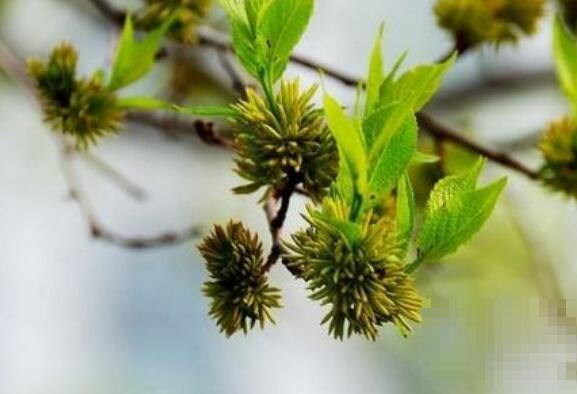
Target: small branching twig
column 97, row 229
column 119, row 179
column 12, row 66
column 427, row 122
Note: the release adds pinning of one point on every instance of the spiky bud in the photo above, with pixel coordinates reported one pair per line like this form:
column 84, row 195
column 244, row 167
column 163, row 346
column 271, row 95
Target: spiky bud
column 238, row 289
column 364, row 283
column 287, row 138
column 79, row 107
column 188, row 14
column 473, row 22
column 558, row 146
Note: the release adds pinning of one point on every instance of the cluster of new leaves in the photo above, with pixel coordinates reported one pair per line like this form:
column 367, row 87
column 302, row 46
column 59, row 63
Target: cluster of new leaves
column 474, row 22
column 87, row 109
column 354, row 251
column 186, row 16
column 558, row 144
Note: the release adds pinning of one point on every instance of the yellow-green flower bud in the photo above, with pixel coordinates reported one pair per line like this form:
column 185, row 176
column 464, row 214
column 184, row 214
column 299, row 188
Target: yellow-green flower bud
column 364, row 283
column 81, row 108
column 188, row 14
column 474, row 22
column 559, row 148
column 289, row 139
column 238, row 289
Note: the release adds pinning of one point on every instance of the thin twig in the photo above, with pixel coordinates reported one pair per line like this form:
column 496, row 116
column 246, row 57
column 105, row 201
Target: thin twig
column 276, row 220
column 210, row 39
column 443, row 133
column 426, row 122
column 12, row 66
column 101, row 232
column 171, row 125
column 111, row 13
column 236, row 79
column 119, row 179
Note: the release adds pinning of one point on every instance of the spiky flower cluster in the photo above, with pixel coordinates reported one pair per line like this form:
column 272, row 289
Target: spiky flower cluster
column 187, row 14
column 559, row 148
column 473, row 22
column 238, row 288
column 80, row 107
column 363, row 282
column 282, row 139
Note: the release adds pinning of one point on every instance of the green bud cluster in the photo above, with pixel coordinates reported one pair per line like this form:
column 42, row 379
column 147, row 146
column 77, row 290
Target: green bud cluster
column 79, row 107
column 284, row 137
column 558, row 146
column 188, row 15
column 238, row 289
column 474, row 22
column 363, row 282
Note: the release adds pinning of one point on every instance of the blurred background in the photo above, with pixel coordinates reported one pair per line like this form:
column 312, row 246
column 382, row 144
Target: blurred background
column 79, row 315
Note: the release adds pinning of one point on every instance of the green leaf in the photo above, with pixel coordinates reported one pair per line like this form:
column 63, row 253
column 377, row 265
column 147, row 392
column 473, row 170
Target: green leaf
column 382, row 125
column 134, row 59
column 376, row 72
column 244, row 17
column 217, row 111
column 406, row 208
column 565, row 54
column 344, row 185
column 144, row 103
column 349, row 140
column 394, row 159
column 373, row 124
column 452, row 186
column 420, row 83
column 282, row 25
column 424, row 158
column 457, row 221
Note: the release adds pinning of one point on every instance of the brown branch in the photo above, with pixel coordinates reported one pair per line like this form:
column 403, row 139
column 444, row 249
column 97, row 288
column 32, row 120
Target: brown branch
column 236, row 79
column 97, row 229
column 276, row 220
column 223, row 44
column 116, row 16
column 111, row 13
column 426, row 122
column 443, row 133
column 13, row 67
column 119, row 179
column 171, row 125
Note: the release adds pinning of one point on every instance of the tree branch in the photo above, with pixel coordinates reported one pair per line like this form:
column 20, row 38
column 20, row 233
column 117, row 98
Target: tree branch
column 111, row 13
column 12, row 66
column 443, row 133
column 276, row 220
column 426, row 122
column 97, row 229
column 119, row 179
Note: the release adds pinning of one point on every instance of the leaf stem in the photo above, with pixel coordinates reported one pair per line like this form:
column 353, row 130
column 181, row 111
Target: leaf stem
column 412, row 267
